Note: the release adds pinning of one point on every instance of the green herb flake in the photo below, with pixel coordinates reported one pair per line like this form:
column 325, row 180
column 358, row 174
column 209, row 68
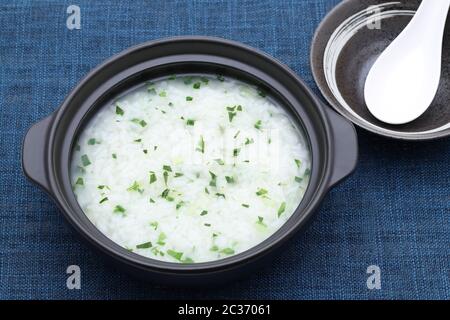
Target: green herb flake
column 245, row 205
column 261, row 192
column 162, row 236
column 281, row 209
column 249, row 141
column 151, row 90
column 85, row 160
column 262, row 92
column 307, row 172
column 92, row 141
column 142, row 123
column 178, row 174
column 261, row 222
column 165, row 195
column 229, row 179
column 214, row 248
column 207, row 224
column 227, row 251
column 220, row 162
column 258, row 124
column 187, row 260
column 103, row 200
column 145, row 245
column 213, row 182
column 298, row 163
column 151, row 200
column 205, row 80
column 190, row 122
column 239, row 108
column 80, row 181
column 237, row 134
column 180, row 204
column 163, row 94
column 135, row 187
column 187, row 80
column 175, row 254
column 119, row 209
column 231, row 115
column 166, row 177
column 119, row 111
column 298, row 179
column 188, row 98
column 167, row 168
column 77, row 147
column 152, row 177
column 201, row 145
column 220, row 195
column 172, row 77
column 114, row 156
column 137, row 140
column 221, row 78
column 154, row 224
column 206, row 191
column 236, row 152
column 204, row 213
column 197, row 85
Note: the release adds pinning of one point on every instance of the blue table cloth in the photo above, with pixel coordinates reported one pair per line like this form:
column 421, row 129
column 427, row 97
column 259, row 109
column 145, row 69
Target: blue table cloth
column 393, row 212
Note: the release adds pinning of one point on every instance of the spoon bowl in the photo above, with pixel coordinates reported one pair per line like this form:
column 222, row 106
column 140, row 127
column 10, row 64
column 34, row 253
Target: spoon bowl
column 404, row 80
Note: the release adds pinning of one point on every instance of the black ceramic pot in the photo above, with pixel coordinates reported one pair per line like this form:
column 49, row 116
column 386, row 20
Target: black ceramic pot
column 48, row 144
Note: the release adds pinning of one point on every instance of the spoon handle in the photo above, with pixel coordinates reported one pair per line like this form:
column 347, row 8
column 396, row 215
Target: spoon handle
column 430, row 17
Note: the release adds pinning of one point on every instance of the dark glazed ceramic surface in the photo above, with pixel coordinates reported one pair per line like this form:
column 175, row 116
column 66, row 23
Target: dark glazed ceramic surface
column 48, row 144
column 357, row 57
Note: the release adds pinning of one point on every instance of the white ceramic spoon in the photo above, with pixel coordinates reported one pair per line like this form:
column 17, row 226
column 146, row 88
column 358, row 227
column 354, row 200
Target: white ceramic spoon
column 405, row 78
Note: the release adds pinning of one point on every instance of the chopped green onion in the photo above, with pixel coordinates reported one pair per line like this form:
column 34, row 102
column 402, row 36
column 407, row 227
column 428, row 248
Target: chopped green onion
column 138, row 140
column 166, row 177
column 298, row 179
column 221, row 78
column 103, row 200
column 154, row 224
column 262, row 92
column 281, row 209
column 213, row 182
column 167, row 168
column 92, row 141
column 142, row 123
column 258, row 124
column 178, row 174
column 151, row 200
column 249, row 141
column 145, row 245
column 220, row 195
column 204, row 212
column 206, row 191
column 85, row 160
column 201, row 145
column 261, row 222
column 190, row 122
column 261, row 192
column 80, row 181
column 207, row 224
column 307, row 172
column 298, row 163
column 119, row 209
column 161, row 239
column 180, row 204
column 237, row 134
column 188, row 98
column 245, row 205
column 152, row 177
column 135, row 187
column 175, row 254
column 220, row 162
column 151, row 90
column 162, row 94
column 227, row 251
column 114, row 156
column 236, row 152
column 172, row 77
column 165, row 195
column 197, row 85
column 214, row 248
column 229, row 179
column 119, row 111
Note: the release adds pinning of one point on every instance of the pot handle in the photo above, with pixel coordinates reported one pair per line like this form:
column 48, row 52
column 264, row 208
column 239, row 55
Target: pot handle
column 34, row 148
column 345, row 147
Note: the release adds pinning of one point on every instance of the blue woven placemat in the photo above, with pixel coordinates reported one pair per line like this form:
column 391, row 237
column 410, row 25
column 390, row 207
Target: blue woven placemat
column 394, row 212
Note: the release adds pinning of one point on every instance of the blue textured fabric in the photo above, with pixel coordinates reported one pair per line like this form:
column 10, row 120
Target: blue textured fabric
column 393, row 212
